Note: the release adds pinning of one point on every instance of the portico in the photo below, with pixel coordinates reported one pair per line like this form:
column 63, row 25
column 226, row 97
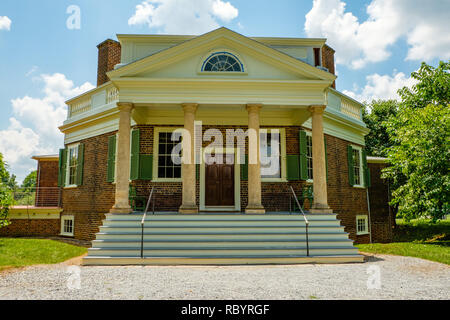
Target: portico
column 189, row 171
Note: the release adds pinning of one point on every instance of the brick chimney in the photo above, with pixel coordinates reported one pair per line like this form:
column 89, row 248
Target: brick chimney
column 328, row 60
column 109, row 52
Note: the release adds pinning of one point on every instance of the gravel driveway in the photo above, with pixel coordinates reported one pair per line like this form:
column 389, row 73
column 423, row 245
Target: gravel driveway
column 400, row 278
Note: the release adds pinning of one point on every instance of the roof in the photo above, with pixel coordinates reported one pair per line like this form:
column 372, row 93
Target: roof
column 376, row 160
column 51, row 157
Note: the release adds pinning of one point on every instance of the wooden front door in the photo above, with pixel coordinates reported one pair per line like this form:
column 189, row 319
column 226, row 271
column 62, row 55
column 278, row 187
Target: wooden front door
column 219, row 182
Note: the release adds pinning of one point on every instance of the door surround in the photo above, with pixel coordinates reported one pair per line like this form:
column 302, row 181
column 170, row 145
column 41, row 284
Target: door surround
column 237, row 180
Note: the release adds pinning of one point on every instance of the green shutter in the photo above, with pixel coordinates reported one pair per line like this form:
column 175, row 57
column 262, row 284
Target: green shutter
column 111, row 158
column 326, row 155
column 146, row 167
column 303, row 153
column 292, row 163
column 244, row 169
column 80, row 165
column 61, row 168
column 135, row 151
column 351, row 172
column 366, row 170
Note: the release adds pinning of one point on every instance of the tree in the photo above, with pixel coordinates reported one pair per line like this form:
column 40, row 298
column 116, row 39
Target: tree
column 30, row 180
column 421, row 145
column 378, row 141
column 5, row 194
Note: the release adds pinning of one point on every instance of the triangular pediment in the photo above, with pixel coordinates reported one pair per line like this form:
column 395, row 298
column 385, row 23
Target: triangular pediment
column 185, row 61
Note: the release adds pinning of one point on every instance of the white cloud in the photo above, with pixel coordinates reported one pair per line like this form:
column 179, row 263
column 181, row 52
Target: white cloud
column 224, row 10
column 381, row 87
column 183, row 16
column 424, row 24
column 34, row 127
column 5, row 23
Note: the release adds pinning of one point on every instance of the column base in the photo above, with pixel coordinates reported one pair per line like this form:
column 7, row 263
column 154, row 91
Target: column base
column 121, row 210
column 255, row 210
column 188, row 210
column 321, row 211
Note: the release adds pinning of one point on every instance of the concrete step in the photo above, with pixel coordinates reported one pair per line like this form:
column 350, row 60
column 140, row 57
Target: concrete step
column 105, row 244
column 238, row 216
column 294, row 236
column 121, row 261
column 221, row 251
column 221, row 223
column 151, row 229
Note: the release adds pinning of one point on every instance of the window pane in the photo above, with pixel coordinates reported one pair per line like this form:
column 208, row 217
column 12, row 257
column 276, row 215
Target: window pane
column 270, row 167
column 223, row 63
column 166, row 167
column 309, row 157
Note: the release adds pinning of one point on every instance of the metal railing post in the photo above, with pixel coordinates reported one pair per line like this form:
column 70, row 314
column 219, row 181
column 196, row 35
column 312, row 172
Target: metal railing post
column 304, row 217
column 143, row 220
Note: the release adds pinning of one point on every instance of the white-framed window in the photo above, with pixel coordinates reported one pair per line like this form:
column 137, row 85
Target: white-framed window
column 269, row 139
column 72, row 165
column 67, row 225
column 309, row 155
column 362, row 224
column 163, row 167
column 222, row 61
column 358, row 172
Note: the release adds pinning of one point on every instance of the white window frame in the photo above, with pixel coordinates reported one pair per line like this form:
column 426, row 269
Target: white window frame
column 67, row 218
column 70, row 147
column 156, row 132
column 283, row 177
column 361, row 169
column 309, row 134
column 366, row 224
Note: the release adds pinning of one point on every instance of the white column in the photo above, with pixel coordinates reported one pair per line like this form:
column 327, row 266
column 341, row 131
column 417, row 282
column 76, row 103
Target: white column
column 122, row 204
column 319, row 166
column 254, row 166
column 189, row 203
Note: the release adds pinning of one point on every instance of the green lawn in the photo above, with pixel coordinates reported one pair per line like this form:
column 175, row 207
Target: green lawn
column 16, row 252
column 418, row 238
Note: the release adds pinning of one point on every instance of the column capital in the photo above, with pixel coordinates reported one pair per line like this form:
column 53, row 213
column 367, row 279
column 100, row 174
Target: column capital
column 190, row 107
column 125, row 106
column 253, row 107
column 317, row 109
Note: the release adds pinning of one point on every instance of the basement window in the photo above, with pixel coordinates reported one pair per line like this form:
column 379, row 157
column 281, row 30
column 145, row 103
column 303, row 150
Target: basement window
column 67, row 225
column 362, row 225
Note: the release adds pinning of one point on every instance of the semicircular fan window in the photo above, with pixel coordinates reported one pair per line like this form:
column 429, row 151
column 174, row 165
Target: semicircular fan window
column 222, row 62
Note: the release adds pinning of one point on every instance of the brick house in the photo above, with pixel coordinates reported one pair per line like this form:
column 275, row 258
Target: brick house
column 119, row 139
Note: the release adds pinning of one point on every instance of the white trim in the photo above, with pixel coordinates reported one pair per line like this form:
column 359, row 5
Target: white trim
column 66, row 183
column 156, row 132
column 237, row 180
column 282, row 155
column 361, row 169
column 366, row 225
column 67, row 218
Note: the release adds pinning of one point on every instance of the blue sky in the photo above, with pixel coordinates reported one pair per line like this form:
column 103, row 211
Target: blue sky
column 378, row 44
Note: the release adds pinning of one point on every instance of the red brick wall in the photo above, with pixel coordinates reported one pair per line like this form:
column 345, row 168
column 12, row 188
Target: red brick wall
column 47, row 177
column 109, row 54
column 32, row 228
column 381, row 214
column 89, row 203
column 328, row 60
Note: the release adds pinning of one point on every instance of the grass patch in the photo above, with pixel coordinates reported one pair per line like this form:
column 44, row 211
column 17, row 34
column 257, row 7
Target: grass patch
column 417, row 238
column 16, row 252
